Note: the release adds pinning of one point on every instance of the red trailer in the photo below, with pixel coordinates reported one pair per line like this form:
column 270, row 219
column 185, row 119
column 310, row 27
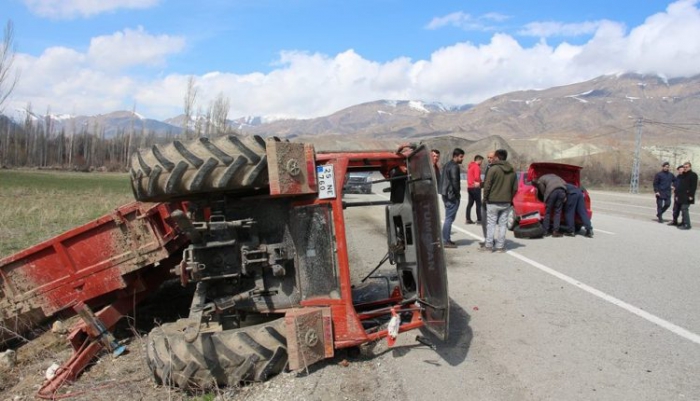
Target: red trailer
column 97, row 264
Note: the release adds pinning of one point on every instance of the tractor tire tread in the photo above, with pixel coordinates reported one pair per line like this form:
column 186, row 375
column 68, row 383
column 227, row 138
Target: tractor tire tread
column 225, row 358
column 179, row 170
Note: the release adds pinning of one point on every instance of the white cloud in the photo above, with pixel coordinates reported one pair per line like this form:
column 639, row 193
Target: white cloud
column 552, row 28
column 89, row 83
column 305, row 84
column 132, row 47
column 67, row 9
column 466, row 21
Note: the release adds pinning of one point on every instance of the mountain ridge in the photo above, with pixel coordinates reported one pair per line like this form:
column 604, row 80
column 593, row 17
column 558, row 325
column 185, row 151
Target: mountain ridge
column 605, row 111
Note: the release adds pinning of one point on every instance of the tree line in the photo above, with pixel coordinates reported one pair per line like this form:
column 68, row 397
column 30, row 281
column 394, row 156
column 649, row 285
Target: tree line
column 40, row 144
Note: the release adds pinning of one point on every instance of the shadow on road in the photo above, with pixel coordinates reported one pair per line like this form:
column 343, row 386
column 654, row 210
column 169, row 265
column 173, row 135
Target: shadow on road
column 511, row 244
column 453, row 351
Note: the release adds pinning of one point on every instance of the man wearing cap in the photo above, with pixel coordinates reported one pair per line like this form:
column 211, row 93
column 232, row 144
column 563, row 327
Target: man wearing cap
column 663, row 180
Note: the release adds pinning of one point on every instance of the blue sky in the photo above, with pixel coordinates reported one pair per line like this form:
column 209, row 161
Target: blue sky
column 307, row 58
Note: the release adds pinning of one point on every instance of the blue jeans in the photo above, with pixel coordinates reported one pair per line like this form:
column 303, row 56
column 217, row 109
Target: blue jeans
column 496, row 224
column 451, row 207
column 576, row 205
column 662, row 204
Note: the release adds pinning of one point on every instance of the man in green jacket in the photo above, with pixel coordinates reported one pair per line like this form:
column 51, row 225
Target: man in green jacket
column 500, row 186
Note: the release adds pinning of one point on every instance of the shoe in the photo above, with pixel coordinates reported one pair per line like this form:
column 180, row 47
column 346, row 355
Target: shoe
column 569, row 234
column 589, row 233
column 683, row 227
column 660, row 219
column 469, row 222
column 449, row 244
column 486, row 248
column 673, row 223
column 557, row 234
column 478, row 222
column 547, row 234
column 501, row 250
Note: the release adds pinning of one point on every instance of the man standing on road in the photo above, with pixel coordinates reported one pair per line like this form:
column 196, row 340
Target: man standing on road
column 676, row 206
column 553, row 190
column 435, row 157
column 490, row 157
column 474, row 188
column 576, row 205
column 449, row 189
column 685, row 194
column 500, row 186
column 663, row 180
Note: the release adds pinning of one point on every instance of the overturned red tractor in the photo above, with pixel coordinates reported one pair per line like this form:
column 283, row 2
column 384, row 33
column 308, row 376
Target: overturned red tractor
column 258, row 228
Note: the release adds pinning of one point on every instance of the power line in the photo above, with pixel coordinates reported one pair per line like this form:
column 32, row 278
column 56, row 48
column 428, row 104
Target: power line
column 634, row 180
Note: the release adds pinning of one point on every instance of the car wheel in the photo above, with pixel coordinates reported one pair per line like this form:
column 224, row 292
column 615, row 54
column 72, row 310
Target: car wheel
column 531, row 231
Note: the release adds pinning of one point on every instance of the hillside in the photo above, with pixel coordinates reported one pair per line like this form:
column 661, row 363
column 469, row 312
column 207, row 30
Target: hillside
column 602, row 111
column 592, row 120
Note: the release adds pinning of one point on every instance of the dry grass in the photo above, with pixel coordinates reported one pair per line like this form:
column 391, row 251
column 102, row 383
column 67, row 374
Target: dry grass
column 37, row 205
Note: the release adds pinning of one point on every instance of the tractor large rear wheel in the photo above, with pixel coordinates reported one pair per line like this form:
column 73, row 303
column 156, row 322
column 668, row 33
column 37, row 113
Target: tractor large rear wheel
column 223, row 358
column 229, row 163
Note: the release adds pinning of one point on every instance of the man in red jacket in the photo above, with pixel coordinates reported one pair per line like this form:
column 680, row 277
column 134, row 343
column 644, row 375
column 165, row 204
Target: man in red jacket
column 474, row 188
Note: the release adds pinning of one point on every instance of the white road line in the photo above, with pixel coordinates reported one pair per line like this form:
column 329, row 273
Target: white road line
column 460, row 229
column 627, row 205
column 621, row 194
column 624, row 205
column 665, row 324
column 688, row 335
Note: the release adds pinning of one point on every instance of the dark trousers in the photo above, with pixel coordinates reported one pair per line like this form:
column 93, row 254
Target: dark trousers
column 555, row 203
column 686, row 214
column 576, row 205
column 474, row 198
column 676, row 211
column 662, row 205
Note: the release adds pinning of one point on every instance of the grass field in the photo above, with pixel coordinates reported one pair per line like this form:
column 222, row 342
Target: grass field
column 37, row 205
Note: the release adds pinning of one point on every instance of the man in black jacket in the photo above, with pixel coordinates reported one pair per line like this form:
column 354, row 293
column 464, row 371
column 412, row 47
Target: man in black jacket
column 552, row 188
column 676, row 206
column 685, row 193
column 663, row 180
column 449, row 189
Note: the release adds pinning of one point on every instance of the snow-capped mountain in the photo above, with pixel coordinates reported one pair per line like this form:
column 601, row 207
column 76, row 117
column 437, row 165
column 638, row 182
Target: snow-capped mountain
column 605, row 108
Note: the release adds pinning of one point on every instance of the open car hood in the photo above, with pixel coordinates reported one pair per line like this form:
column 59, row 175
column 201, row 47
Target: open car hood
column 430, row 256
column 568, row 172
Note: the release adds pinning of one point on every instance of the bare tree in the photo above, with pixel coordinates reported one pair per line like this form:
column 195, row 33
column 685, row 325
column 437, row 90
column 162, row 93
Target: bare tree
column 219, row 113
column 190, row 99
column 8, row 78
column 198, row 123
column 131, row 136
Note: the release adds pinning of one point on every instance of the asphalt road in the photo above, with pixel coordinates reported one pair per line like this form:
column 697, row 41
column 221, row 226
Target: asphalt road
column 615, row 317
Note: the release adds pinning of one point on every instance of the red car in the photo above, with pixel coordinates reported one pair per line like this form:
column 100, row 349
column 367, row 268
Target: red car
column 525, row 218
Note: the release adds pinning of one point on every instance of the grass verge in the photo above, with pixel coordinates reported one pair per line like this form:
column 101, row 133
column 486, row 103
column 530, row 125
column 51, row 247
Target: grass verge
column 37, row 205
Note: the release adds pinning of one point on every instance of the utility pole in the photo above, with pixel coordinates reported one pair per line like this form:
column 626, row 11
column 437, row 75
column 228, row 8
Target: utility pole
column 634, row 181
